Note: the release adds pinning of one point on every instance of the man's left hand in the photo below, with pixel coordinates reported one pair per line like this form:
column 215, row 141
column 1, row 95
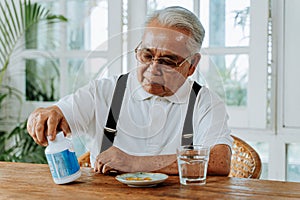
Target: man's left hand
column 114, row 160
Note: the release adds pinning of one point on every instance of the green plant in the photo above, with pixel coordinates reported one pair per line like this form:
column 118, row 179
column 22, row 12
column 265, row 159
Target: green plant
column 41, row 81
column 21, row 147
column 6, row 92
column 18, row 20
column 242, row 17
column 235, row 86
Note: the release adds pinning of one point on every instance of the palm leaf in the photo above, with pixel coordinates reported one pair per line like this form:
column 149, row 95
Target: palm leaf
column 23, row 149
column 16, row 19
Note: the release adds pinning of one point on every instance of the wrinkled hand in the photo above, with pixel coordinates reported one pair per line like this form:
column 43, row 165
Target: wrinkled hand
column 44, row 122
column 113, row 159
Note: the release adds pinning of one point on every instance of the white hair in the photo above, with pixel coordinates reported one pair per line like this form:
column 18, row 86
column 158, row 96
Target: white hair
column 181, row 18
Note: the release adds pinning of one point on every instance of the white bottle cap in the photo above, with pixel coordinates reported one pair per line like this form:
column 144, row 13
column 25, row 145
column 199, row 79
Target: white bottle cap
column 59, row 137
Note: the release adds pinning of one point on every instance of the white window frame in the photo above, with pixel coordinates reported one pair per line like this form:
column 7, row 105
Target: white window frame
column 285, row 132
column 255, row 113
column 114, row 50
column 248, row 123
column 278, row 136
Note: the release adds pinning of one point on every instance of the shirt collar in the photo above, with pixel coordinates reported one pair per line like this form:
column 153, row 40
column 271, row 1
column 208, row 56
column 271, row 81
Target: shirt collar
column 138, row 93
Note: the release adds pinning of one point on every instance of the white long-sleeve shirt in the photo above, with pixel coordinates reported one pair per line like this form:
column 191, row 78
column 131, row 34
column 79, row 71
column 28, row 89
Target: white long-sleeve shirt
column 148, row 124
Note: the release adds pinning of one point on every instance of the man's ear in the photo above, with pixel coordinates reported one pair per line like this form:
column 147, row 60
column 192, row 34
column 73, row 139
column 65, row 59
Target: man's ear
column 195, row 60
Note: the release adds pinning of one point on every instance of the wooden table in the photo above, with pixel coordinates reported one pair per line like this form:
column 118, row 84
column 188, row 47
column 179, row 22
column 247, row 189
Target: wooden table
column 34, row 181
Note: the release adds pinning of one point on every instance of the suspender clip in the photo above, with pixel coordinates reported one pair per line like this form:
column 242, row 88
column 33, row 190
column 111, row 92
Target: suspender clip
column 187, row 135
column 110, row 130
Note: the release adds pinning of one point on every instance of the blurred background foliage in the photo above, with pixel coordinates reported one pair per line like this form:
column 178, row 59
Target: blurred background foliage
column 19, row 20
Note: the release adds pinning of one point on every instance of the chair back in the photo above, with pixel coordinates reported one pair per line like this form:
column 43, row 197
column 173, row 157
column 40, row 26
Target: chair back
column 245, row 161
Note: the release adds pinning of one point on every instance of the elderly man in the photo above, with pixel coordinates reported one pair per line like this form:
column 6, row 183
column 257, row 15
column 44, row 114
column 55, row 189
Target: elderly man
column 154, row 103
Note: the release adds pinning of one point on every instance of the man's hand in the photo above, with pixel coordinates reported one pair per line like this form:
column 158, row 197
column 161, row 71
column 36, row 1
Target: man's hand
column 44, row 122
column 113, row 159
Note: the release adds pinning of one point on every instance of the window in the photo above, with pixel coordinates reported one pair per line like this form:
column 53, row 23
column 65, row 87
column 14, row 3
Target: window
column 293, row 163
column 242, row 54
column 230, row 40
column 74, row 52
column 288, row 80
column 59, row 58
column 234, row 59
column 99, row 38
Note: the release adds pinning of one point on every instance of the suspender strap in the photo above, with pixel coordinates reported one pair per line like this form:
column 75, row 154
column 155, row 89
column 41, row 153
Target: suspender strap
column 187, row 132
column 114, row 112
column 113, row 116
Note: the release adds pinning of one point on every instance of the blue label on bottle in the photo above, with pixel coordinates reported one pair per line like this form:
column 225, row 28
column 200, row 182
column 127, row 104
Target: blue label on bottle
column 62, row 164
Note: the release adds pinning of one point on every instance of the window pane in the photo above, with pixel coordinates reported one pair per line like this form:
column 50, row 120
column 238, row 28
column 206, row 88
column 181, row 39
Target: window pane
column 87, row 26
column 81, row 71
column 160, row 4
column 227, row 23
column 42, row 79
column 293, row 162
column 45, row 36
column 80, row 143
column 227, row 75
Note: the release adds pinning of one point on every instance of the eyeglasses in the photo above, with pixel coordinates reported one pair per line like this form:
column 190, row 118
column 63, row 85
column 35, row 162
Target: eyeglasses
column 144, row 56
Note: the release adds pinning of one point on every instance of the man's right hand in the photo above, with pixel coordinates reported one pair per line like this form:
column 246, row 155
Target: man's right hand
column 44, row 122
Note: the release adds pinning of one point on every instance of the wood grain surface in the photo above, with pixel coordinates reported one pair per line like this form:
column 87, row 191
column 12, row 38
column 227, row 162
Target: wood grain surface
column 34, row 181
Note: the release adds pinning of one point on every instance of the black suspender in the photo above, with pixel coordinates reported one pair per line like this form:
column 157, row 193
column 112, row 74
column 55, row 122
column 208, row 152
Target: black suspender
column 113, row 116
column 114, row 112
column 187, row 132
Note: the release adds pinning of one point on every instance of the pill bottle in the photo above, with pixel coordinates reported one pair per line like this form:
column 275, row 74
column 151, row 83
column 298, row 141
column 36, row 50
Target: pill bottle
column 62, row 160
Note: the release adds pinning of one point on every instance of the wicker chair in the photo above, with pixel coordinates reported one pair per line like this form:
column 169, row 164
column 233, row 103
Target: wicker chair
column 84, row 160
column 245, row 161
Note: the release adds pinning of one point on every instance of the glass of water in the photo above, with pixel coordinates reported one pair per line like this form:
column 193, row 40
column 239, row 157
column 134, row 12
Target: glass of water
column 192, row 164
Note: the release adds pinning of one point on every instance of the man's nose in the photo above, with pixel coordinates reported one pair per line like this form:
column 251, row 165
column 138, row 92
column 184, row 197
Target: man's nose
column 155, row 67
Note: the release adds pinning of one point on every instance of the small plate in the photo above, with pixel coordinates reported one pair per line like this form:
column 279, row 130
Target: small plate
column 142, row 179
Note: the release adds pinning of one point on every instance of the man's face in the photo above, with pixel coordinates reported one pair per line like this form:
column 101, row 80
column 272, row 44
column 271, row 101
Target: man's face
column 159, row 46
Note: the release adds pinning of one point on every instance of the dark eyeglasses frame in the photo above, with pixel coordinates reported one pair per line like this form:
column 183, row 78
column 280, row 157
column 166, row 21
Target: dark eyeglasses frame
column 176, row 64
